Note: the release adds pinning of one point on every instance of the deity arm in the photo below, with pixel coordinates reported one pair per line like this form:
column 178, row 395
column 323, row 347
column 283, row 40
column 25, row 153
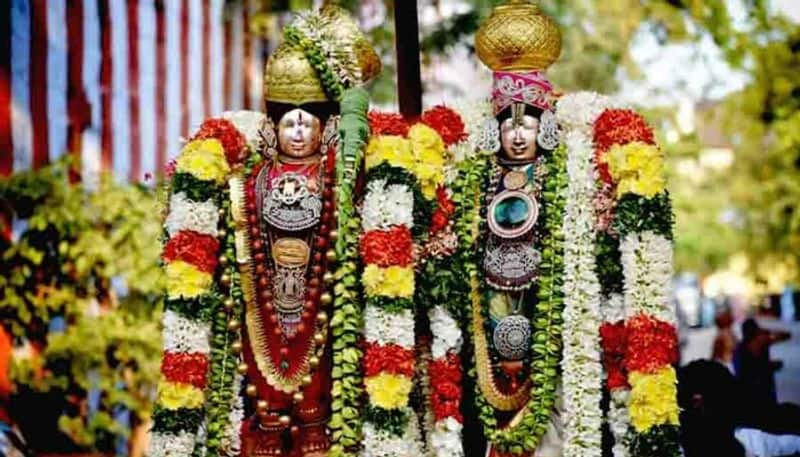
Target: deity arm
column 198, row 383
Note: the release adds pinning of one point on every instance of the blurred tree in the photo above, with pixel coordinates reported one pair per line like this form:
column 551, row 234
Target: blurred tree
column 80, row 288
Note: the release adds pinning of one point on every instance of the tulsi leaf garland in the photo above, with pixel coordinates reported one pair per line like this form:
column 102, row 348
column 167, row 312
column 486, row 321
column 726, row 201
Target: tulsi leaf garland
column 347, row 319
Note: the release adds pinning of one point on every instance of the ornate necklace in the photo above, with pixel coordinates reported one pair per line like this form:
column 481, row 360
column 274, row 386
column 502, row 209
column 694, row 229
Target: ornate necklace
column 284, row 360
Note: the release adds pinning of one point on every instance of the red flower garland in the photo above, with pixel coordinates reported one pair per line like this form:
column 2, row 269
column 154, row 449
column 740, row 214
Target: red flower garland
column 613, row 339
column 387, row 124
column 445, row 379
column 198, row 249
column 386, row 248
column 618, row 126
column 185, row 368
column 444, row 210
column 390, row 358
column 652, row 344
column 446, row 122
column 233, row 142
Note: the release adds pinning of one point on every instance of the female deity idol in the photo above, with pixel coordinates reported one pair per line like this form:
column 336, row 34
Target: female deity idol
column 253, row 226
column 572, row 263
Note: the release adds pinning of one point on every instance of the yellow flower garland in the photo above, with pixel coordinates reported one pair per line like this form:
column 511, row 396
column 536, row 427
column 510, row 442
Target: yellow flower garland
column 186, row 281
column 637, row 168
column 653, row 398
column 173, row 395
column 393, row 149
column 388, row 391
column 205, row 160
column 394, row 281
column 429, row 150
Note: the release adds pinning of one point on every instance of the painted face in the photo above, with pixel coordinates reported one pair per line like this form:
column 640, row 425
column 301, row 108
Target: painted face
column 299, row 134
column 518, row 136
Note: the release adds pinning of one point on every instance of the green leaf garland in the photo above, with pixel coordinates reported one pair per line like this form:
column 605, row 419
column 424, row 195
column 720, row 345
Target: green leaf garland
column 546, row 340
column 347, row 320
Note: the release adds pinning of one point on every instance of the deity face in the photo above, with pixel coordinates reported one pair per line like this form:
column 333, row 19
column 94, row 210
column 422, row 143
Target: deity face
column 299, row 134
column 518, row 136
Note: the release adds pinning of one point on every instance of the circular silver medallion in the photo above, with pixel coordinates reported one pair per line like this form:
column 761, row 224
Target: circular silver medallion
column 512, row 337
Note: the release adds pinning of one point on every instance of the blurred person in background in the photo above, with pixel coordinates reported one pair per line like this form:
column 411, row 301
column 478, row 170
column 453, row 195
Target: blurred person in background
column 725, row 341
column 753, row 366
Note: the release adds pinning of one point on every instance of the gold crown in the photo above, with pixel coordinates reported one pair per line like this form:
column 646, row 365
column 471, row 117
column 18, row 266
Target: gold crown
column 289, row 77
column 518, row 37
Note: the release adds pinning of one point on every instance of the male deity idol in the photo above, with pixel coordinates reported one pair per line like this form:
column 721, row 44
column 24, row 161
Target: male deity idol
column 260, row 193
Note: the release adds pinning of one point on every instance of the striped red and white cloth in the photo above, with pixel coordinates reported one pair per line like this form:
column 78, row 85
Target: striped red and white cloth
column 119, row 82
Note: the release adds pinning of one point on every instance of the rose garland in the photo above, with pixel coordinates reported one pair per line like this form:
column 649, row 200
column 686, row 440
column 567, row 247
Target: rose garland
column 194, row 365
column 580, row 366
column 646, row 347
column 347, row 317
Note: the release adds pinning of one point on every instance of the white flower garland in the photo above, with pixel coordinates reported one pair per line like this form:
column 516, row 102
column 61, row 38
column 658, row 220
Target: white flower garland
column 182, row 334
column 581, row 366
column 185, row 214
column 445, row 438
column 171, row 445
column 614, row 309
column 647, row 264
column 386, row 328
column 378, row 443
column 446, row 333
column 386, row 206
column 619, row 421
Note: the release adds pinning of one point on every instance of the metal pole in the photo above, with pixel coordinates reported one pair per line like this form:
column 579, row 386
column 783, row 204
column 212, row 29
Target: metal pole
column 409, row 83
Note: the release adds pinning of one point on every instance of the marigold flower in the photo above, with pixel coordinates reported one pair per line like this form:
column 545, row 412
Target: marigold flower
column 388, row 391
column 185, row 281
column 205, row 160
column 174, row 395
column 653, row 399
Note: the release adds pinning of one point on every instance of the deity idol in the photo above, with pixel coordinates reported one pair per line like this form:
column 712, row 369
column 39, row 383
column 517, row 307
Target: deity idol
column 572, row 263
column 251, row 251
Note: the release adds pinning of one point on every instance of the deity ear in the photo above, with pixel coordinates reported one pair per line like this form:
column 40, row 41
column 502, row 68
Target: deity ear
column 548, row 135
column 269, row 137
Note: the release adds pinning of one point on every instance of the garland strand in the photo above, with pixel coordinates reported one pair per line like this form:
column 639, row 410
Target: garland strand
column 347, row 319
column 581, row 368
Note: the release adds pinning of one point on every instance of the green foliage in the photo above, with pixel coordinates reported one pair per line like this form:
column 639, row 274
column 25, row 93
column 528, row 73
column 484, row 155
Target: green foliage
column 76, row 241
column 347, row 319
column 393, row 421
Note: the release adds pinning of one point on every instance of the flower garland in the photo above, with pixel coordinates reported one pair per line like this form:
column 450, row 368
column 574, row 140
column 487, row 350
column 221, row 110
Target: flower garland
column 633, row 165
column 443, row 372
column 347, row 316
column 581, row 367
column 198, row 364
column 613, row 338
column 405, row 174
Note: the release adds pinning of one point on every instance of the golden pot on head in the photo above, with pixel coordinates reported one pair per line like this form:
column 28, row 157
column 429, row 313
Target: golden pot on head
column 517, row 36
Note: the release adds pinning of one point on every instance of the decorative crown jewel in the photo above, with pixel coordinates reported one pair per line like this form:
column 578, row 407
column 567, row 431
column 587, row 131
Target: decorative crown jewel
column 518, row 37
column 323, row 53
